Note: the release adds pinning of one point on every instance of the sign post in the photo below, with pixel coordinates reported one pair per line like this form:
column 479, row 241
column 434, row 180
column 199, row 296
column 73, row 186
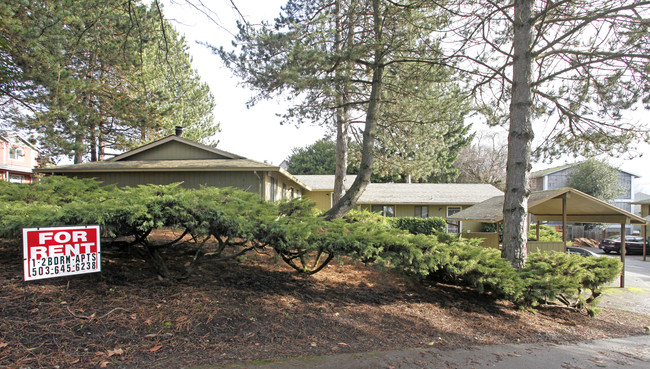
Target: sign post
column 60, row 251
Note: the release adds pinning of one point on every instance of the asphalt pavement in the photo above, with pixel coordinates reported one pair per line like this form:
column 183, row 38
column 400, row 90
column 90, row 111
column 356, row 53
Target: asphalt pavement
column 636, row 294
column 629, row 353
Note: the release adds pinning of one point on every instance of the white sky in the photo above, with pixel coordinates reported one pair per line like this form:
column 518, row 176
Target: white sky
column 256, row 132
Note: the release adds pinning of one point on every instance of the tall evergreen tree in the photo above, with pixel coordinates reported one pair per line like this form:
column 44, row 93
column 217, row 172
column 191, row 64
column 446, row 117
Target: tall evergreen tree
column 82, row 66
column 329, row 58
column 317, row 158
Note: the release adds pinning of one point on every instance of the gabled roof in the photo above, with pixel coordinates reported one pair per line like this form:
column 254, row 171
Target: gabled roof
column 324, row 182
column 176, row 138
column 409, row 193
column 14, row 138
column 547, row 205
column 545, row 172
column 427, row 193
column 201, row 165
column 162, row 165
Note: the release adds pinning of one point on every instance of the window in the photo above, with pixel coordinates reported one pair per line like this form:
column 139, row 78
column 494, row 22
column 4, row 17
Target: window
column 284, row 191
column 385, row 210
column 291, row 193
column 15, row 178
column 274, row 189
column 453, row 227
column 421, row 211
column 16, row 154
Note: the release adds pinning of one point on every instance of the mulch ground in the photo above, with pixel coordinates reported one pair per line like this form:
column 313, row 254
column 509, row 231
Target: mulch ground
column 256, row 309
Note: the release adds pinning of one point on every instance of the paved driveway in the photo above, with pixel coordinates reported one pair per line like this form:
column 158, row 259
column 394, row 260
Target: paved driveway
column 636, row 294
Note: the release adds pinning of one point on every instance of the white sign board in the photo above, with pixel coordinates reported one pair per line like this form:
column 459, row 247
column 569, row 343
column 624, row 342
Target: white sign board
column 60, row 251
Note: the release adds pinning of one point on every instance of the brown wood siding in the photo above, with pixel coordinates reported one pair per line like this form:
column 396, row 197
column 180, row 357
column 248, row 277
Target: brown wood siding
column 174, row 150
column 246, row 181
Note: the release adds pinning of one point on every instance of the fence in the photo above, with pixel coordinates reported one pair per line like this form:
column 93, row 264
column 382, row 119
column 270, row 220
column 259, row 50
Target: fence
column 490, row 239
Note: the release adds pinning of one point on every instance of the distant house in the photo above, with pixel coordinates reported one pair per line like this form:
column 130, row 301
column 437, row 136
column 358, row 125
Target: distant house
column 407, row 199
column 18, row 158
column 558, row 177
column 176, row 159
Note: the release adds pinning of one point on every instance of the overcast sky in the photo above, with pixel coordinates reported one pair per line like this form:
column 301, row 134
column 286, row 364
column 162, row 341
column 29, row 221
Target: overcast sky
column 256, row 132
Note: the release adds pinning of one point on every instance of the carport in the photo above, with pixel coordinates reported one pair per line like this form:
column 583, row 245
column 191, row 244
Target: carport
column 566, row 205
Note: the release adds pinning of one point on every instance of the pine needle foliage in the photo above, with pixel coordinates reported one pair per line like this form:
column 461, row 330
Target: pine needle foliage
column 236, row 222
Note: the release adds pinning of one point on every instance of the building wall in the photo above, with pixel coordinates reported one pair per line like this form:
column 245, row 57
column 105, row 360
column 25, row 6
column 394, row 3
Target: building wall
column 439, row 211
column 322, row 199
column 537, row 184
column 246, row 181
column 558, row 179
column 283, row 188
column 18, row 167
column 174, row 150
column 625, row 182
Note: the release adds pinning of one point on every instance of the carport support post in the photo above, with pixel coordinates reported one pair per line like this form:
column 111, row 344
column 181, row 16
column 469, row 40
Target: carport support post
column 622, row 250
column 645, row 238
column 564, row 222
column 537, row 231
column 498, row 243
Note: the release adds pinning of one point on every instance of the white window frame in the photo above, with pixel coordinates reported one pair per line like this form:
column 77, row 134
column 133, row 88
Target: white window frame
column 451, row 210
column 16, row 153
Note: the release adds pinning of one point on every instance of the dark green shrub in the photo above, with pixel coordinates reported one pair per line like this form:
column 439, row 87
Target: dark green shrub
column 489, row 227
column 427, row 226
column 546, row 234
column 550, row 275
column 240, row 221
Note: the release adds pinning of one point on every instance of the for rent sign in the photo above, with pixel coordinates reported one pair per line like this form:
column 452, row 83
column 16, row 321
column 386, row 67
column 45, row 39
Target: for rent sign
column 60, row 251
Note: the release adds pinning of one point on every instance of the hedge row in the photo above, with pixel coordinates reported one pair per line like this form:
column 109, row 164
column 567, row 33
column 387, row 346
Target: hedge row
column 239, row 222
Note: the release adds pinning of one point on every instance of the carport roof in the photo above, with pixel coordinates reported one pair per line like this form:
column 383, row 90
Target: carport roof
column 547, row 205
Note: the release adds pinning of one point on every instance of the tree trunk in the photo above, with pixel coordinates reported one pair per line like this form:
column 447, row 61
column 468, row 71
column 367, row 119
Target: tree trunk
column 351, row 197
column 342, row 108
column 341, row 151
column 520, row 137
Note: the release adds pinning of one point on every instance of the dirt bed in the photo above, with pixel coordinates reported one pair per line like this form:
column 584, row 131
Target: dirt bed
column 256, row 309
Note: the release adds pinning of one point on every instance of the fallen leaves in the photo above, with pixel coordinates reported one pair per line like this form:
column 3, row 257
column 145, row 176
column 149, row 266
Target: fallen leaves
column 155, row 348
column 117, row 351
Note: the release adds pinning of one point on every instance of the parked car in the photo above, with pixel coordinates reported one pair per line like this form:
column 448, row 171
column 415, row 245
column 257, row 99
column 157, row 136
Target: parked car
column 580, row 251
column 633, row 244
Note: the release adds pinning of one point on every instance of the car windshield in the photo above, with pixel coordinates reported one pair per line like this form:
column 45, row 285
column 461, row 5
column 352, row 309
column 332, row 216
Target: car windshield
column 633, row 238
